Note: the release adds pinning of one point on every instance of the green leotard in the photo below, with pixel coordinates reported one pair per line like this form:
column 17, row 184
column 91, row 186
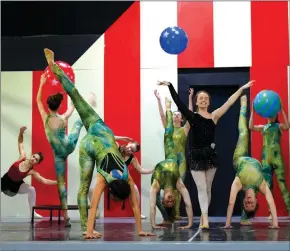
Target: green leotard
column 62, row 146
column 167, row 171
column 179, row 138
column 272, row 160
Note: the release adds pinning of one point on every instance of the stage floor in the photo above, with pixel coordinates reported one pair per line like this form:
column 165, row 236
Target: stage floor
column 119, row 234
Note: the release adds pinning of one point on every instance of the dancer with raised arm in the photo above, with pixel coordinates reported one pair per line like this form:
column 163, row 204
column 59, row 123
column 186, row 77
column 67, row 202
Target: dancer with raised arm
column 61, row 144
column 249, row 175
column 12, row 181
column 97, row 147
column 202, row 154
column 166, row 177
column 179, row 137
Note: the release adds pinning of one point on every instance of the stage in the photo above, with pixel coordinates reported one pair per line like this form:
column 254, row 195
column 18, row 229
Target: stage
column 119, row 234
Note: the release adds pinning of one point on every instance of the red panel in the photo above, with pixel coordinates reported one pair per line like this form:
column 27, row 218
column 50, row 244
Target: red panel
column 122, row 88
column 45, row 195
column 196, row 18
column 270, row 50
column 274, row 78
column 270, row 40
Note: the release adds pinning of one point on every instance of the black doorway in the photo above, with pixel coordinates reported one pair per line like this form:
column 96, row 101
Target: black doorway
column 221, row 83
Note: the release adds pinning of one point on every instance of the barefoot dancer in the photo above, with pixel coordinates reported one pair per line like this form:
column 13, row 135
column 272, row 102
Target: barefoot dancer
column 202, row 155
column 166, row 176
column 249, row 175
column 272, row 159
column 98, row 146
column 12, row 182
column 179, row 138
column 62, row 146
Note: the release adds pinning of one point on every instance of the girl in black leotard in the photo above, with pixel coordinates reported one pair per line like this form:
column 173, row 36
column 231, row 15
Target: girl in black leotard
column 202, row 154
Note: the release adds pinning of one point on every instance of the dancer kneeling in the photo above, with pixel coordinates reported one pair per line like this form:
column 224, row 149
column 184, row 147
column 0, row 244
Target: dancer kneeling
column 249, row 175
column 12, row 182
column 97, row 147
column 166, row 176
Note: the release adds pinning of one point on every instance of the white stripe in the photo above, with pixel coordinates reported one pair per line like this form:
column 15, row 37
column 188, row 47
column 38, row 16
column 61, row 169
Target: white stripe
column 16, row 111
column 89, row 72
column 154, row 18
column 232, row 34
column 156, row 65
column 192, row 238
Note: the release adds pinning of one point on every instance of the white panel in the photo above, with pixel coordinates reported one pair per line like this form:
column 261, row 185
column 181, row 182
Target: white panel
column 152, row 136
column 93, row 58
column 232, row 33
column 87, row 81
column 154, row 18
column 16, row 111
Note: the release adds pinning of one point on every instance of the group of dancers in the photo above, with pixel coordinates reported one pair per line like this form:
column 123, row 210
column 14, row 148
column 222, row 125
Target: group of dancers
column 99, row 148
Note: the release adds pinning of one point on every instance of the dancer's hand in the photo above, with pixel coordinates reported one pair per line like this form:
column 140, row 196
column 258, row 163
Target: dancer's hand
column 93, row 235
column 185, row 227
column 165, row 83
column 164, row 223
column 248, row 85
column 22, row 129
column 158, row 227
column 146, row 234
column 156, row 93
column 226, row 227
column 191, row 92
column 43, row 79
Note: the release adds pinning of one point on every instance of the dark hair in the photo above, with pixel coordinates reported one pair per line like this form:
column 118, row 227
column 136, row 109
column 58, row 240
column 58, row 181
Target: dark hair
column 41, row 157
column 196, row 96
column 120, row 189
column 251, row 214
column 54, row 101
column 183, row 122
column 138, row 147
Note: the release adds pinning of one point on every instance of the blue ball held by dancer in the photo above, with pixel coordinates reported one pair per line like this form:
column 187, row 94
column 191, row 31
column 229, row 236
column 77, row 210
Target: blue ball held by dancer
column 173, row 40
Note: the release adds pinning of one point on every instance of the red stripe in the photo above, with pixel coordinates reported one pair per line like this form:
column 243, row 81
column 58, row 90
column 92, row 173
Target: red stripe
column 196, row 18
column 45, row 195
column 270, row 60
column 122, row 88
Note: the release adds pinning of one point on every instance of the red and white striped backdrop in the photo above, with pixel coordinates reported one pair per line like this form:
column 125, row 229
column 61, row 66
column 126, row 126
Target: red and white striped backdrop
column 122, row 68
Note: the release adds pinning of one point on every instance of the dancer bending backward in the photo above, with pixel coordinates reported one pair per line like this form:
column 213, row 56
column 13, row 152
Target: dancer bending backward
column 272, row 159
column 61, row 144
column 12, row 181
column 202, row 155
column 98, row 146
column 127, row 151
column 179, row 138
column 166, row 176
column 249, row 175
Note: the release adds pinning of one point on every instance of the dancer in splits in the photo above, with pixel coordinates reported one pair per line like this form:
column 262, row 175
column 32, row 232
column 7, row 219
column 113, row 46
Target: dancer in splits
column 166, row 177
column 62, row 145
column 97, row 147
column 202, row 154
column 249, row 175
column 179, row 138
column 272, row 159
column 12, row 181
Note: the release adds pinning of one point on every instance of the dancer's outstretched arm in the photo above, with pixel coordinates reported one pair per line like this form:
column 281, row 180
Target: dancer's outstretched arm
column 20, row 143
column 136, row 209
column 41, row 179
column 188, row 207
column 285, row 126
column 69, row 111
column 160, row 108
column 218, row 113
column 236, row 187
column 257, row 128
column 264, row 189
column 124, row 138
column 41, row 109
column 139, row 168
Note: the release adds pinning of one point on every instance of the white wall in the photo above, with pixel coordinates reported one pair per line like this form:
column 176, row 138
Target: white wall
column 16, row 111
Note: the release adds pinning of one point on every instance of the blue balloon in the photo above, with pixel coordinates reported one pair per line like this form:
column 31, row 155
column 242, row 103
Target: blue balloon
column 173, row 40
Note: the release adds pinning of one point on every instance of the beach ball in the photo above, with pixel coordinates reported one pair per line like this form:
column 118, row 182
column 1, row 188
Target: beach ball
column 68, row 70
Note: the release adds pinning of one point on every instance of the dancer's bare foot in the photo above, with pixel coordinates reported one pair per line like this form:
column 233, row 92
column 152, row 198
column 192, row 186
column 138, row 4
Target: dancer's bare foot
column 200, row 222
column 246, row 223
column 205, row 224
column 244, row 100
column 67, row 222
column 94, row 235
column 168, row 103
column 94, row 232
column 49, row 55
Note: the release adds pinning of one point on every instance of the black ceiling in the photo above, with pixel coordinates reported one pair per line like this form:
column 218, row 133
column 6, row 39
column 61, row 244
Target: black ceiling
column 59, row 18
